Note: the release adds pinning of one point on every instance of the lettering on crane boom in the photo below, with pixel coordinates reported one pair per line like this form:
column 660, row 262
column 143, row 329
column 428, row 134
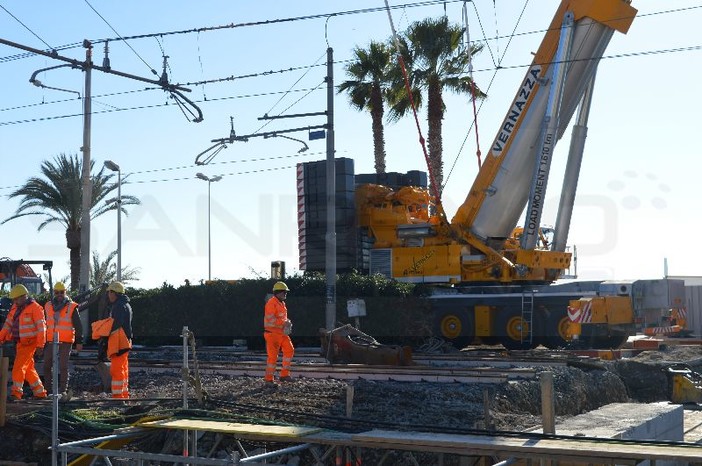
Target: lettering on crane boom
column 542, row 170
column 517, row 109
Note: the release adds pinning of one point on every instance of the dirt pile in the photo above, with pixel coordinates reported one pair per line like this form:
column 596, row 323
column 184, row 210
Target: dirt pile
column 513, row 406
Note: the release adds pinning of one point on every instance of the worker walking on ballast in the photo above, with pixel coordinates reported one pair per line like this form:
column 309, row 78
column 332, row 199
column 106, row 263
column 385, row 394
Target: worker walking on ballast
column 25, row 325
column 276, row 330
column 62, row 318
column 119, row 341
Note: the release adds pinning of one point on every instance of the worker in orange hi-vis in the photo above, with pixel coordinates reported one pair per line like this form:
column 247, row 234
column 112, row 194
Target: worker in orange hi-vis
column 26, row 327
column 120, row 340
column 62, row 319
column 276, row 331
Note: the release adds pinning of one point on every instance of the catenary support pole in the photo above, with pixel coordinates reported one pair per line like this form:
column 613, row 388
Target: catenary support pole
column 330, row 270
column 87, row 191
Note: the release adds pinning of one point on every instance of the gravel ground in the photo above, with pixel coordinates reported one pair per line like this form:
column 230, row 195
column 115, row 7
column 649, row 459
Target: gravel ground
column 513, row 406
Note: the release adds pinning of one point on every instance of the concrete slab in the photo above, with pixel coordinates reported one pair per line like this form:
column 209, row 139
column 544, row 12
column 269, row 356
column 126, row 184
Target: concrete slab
column 638, row 421
column 641, row 421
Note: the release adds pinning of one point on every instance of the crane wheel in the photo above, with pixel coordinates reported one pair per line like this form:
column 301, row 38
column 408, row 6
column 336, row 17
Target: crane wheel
column 556, row 333
column 457, row 328
column 514, row 332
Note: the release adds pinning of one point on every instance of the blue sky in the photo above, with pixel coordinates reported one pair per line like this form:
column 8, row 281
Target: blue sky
column 638, row 188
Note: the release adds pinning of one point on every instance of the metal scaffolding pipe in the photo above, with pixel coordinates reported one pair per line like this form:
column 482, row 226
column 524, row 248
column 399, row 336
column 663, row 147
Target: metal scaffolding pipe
column 271, row 454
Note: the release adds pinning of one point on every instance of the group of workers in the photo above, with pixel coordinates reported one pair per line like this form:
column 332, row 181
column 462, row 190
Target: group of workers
column 31, row 327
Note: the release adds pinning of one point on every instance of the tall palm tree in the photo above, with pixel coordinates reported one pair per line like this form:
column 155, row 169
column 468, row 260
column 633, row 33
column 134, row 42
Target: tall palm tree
column 436, row 60
column 366, row 89
column 58, row 198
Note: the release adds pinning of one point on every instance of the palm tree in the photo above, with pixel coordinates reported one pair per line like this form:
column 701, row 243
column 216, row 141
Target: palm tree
column 435, row 59
column 58, row 198
column 106, row 271
column 366, row 89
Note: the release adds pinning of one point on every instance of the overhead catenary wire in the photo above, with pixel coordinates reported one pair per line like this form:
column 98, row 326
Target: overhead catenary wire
column 267, row 22
column 72, row 45
column 487, row 91
column 153, row 71
column 26, row 27
column 690, row 48
column 296, row 155
column 289, row 90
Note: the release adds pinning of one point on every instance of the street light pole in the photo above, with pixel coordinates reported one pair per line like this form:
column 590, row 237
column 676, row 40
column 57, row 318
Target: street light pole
column 109, row 164
column 209, row 217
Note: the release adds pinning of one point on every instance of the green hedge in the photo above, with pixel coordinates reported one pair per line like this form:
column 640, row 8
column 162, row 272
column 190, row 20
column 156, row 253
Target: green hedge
column 220, row 312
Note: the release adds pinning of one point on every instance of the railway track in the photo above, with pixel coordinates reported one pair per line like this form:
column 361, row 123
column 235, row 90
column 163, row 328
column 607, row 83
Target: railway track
column 465, row 367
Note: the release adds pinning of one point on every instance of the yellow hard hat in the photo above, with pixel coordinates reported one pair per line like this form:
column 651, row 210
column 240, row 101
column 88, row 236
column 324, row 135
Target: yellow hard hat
column 59, row 286
column 280, row 286
column 117, row 287
column 17, row 291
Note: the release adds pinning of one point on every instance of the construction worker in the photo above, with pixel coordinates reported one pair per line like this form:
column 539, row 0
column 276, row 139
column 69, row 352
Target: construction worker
column 26, row 327
column 276, row 331
column 62, row 318
column 120, row 340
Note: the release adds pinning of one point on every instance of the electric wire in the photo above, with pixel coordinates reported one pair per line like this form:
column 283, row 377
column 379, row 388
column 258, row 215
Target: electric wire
column 243, row 96
column 193, row 83
column 252, row 95
column 497, row 30
column 237, row 25
column 143, row 107
column 122, row 39
column 202, row 70
column 296, row 155
column 254, row 159
column 482, row 29
column 26, row 27
column 246, row 172
column 292, row 105
column 23, row 55
column 487, row 91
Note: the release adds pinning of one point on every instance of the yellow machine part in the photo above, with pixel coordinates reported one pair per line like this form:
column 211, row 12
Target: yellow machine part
column 482, row 321
column 611, row 310
column 429, row 263
column 686, row 386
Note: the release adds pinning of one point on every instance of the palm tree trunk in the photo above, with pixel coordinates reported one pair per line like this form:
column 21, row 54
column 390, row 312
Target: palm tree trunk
column 73, row 244
column 378, row 130
column 435, row 115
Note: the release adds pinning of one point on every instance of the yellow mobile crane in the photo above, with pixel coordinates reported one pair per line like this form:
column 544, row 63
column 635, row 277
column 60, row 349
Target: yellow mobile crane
column 502, row 274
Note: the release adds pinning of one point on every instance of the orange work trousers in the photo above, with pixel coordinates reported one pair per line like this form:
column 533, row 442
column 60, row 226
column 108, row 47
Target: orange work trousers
column 274, row 343
column 119, row 372
column 24, row 369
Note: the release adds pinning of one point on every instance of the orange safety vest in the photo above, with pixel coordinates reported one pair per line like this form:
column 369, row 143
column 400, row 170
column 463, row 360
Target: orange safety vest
column 118, row 343
column 32, row 326
column 64, row 325
column 276, row 313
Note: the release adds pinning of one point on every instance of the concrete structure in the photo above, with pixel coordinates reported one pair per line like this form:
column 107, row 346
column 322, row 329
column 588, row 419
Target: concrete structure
column 693, row 302
column 632, row 421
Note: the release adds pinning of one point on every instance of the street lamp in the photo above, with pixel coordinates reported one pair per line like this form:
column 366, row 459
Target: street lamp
column 110, row 165
column 209, row 224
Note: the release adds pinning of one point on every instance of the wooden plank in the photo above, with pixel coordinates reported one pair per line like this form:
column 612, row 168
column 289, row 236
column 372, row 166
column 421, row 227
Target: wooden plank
column 232, row 427
column 571, row 447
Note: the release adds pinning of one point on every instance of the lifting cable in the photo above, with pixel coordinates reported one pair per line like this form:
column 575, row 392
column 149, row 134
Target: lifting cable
column 498, row 67
column 472, row 82
column 432, row 180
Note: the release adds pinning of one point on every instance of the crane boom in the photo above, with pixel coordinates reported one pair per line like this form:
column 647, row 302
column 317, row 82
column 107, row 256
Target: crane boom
column 500, row 191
